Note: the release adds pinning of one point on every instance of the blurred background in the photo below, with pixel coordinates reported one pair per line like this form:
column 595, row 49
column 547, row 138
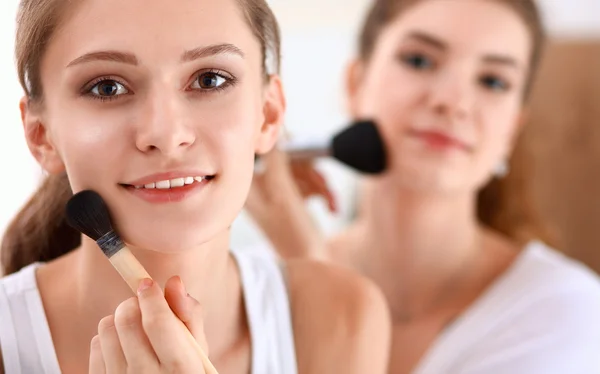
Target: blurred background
column 318, row 40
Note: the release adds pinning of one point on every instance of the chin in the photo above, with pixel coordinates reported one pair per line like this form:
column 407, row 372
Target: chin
column 177, row 227
column 174, row 235
column 429, row 179
column 170, row 240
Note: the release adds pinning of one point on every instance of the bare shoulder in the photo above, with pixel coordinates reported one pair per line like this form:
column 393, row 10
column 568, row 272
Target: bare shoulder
column 343, row 250
column 340, row 319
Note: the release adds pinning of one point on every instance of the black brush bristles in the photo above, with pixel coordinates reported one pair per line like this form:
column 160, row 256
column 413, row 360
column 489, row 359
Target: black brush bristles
column 361, row 147
column 88, row 214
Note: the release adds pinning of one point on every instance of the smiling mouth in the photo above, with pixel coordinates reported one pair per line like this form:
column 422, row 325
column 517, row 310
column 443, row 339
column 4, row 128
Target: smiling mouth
column 171, row 184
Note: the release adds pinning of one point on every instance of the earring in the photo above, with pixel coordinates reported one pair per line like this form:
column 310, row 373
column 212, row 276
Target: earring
column 259, row 165
column 502, row 169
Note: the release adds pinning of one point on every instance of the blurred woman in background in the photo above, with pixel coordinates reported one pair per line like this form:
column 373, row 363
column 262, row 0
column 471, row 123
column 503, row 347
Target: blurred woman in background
column 447, row 232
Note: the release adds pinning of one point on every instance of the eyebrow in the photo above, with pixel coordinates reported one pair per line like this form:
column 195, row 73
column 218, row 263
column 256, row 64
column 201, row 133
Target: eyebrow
column 131, row 59
column 116, row 56
column 428, row 39
column 211, row 50
column 501, row 60
column 438, row 43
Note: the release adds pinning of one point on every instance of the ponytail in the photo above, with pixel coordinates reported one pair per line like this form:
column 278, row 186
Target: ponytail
column 39, row 232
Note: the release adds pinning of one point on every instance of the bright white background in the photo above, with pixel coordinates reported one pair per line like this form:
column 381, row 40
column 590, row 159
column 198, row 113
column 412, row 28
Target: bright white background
column 318, row 38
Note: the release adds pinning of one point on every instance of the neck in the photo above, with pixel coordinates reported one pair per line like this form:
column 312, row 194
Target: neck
column 415, row 243
column 208, row 273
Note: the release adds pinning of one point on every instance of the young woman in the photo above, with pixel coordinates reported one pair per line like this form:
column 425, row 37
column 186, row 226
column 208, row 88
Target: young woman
column 160, row 107
column 444, row 231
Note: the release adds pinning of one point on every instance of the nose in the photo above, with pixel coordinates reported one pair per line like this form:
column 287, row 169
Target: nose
column 164, row 126
column 452, row 94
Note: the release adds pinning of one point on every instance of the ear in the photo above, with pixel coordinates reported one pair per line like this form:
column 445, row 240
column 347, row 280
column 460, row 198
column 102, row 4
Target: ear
column 354, row 76
column 37, row 137
column 274, row 113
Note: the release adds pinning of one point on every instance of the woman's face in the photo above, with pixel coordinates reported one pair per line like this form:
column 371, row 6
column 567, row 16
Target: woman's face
column 160, row 107
column 445, row 83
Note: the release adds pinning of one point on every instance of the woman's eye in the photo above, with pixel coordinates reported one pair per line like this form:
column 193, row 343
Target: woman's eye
column 209, row 81
column 494, row 83
column 417, row 61
column 108, row 88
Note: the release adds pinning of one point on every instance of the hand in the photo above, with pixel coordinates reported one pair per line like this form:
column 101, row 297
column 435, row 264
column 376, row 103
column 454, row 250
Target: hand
column 276, row 203
column 144, row 335
column 312, row 183
column 281, row 173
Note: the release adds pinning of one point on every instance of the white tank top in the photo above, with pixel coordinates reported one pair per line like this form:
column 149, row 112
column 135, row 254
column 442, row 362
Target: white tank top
column 27, row 347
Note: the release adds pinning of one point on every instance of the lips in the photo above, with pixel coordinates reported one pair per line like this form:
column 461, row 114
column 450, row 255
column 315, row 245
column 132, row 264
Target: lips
column 168, row 187
column 168, row 180
column 440, row 140
column 171, row 183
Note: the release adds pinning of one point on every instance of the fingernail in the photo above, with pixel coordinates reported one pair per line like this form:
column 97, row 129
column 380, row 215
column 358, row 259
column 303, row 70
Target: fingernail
column 144, row 285
column 182, row 286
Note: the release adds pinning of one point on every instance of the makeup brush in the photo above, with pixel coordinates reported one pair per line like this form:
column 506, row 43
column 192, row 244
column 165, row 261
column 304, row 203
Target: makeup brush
column 360, row 146
column 87, row 213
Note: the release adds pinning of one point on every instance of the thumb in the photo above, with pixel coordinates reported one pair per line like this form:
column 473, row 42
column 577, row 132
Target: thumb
column 187, row 309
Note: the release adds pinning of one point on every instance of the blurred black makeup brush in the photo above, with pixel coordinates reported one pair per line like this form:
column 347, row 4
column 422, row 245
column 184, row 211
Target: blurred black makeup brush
column 87, row 213
column 359, row 146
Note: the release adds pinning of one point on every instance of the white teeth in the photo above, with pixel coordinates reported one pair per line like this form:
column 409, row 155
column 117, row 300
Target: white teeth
column 173, row 183
column 177, row 182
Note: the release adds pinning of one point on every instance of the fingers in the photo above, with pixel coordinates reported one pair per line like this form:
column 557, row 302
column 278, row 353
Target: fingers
column 114, row 360
column 96, row 364
column 324, row 190
column 145, row 334
column 167, row 334
column 311, row 182
column 138, row 352
column 176, row 297
column 187, row 309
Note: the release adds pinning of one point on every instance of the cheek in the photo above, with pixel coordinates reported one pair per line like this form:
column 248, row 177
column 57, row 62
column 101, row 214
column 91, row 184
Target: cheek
column 497, row 132
column 381, row 90
column 228, row 128
column 390, row 96
column 90, row 142
column 500, row 127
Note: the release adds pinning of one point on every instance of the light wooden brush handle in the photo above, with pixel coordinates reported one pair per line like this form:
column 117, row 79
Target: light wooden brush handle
column 133, row 273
